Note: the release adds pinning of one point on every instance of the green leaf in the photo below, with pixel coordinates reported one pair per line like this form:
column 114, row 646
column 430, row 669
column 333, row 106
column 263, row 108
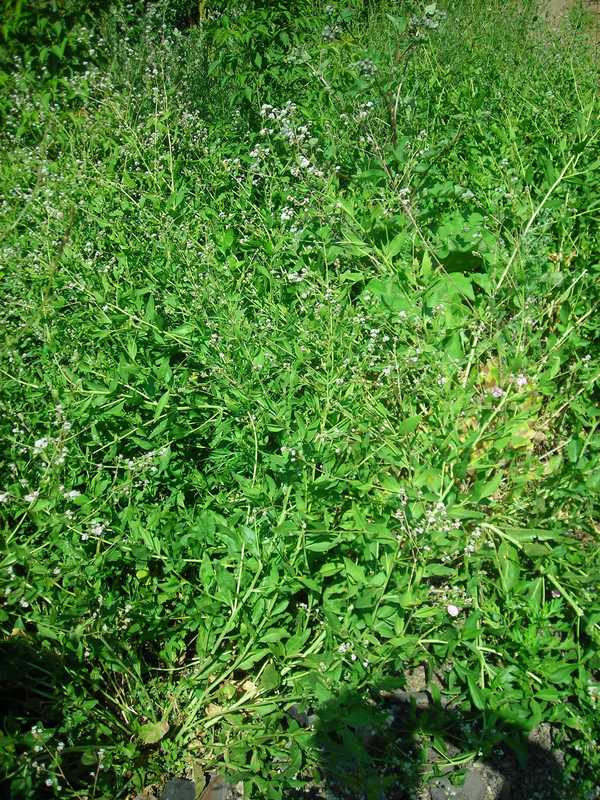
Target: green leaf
column 153, row 732
column 508, row 566
column 475, row 692
column 392, row 248
column 409, row 425
column 270, row 678
column 484, row 489
column 399, row 23
column 275, row 635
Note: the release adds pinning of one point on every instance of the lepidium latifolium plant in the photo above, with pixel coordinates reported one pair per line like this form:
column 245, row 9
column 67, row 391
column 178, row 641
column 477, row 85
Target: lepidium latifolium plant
column 298, row 391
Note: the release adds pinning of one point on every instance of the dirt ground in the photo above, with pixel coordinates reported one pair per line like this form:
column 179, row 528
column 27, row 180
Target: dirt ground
column 557, row 8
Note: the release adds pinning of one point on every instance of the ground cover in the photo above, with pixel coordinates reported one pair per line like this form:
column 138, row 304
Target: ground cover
column 299, row 394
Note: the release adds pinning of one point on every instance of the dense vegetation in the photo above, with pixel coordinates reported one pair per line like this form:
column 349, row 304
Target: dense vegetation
column 298, row 385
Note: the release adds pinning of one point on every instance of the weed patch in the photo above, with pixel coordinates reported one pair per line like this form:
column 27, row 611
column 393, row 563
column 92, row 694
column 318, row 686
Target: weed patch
column 299, row 392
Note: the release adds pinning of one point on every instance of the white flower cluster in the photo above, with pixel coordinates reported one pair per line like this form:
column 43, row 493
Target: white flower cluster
column 366, row 67
column 259, row 153
column 40, row 444
column 97, row 528
column 147, row 459
column 473, row 541
column 346, row 647
column 364, row 110
column 282, row 122
column 330, row 32
column 285, row 124
column 55, row 444
column 521, row 380
column 436, row 518
column 430, row 21
column 297, row 277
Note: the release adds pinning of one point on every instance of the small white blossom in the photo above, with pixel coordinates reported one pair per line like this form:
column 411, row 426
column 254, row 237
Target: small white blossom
column 98, row 528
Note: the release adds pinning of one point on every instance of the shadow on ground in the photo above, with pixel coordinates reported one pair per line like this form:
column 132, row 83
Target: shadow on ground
column 383, row 743
column 401, row 746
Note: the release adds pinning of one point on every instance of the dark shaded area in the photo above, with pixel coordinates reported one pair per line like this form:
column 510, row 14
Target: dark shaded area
column 32, row 677
column 28, row 680
column 400, row 745
column 29, row 676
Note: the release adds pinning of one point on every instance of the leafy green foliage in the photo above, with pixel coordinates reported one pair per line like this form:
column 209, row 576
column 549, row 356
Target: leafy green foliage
column 299, row 383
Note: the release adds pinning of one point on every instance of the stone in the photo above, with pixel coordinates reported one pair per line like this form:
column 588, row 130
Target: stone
column 416, row 679
column 541, row 736
column 179, row 789
column 219, row 789
column 421, row 699
column 475, row 787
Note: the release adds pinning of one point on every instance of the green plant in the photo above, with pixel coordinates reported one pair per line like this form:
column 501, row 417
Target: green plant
column 299, row 386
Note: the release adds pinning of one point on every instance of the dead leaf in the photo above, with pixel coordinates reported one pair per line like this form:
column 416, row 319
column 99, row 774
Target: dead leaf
column 146, row 794
column 250, row 688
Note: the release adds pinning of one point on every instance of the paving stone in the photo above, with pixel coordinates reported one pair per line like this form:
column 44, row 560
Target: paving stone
column 478, row 785
column 179, row 789
column 416, row 679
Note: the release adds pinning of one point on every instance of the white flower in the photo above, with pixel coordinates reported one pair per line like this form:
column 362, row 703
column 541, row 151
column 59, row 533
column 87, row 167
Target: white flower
column 71, row 495
column 98, row 528
column 3, row 497
column 32, row 497
column 453, row 610
column 40, row 444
